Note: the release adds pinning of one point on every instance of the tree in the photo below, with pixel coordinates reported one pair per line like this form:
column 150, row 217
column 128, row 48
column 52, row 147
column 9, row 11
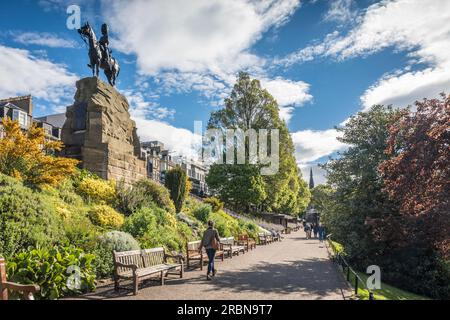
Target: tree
column 358, row 196
column 177, row 183
column 252, row 107
column 417, row 173
column 239, row 186
column 29, row 156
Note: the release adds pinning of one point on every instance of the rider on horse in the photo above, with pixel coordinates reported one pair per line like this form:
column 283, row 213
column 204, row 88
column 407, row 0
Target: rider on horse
column 104, row 45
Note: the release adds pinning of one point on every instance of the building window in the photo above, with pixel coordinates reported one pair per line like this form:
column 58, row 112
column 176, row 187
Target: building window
column 20, row 117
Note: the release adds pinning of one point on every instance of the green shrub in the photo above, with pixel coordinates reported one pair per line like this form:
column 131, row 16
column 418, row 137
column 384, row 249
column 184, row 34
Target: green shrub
column 154, row 227
column 129, row 200
column 113, row 240
column 140, row 222
column 53, row 270
column 26, row 218
column 202, row 213
column 156, row 193
column 215, row 203
column 105, row 216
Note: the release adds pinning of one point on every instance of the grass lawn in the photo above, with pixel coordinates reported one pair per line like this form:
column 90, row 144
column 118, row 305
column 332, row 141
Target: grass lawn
column 386, row 292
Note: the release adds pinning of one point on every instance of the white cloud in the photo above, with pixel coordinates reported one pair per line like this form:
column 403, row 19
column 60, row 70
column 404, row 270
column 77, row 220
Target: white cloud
column 288, row 94
column 195, row 45
column 175, row 139
column 407, row 25
column 142, row 108
column 340, row 11
column 312, row 145
column 43, row 39
column 21, row 73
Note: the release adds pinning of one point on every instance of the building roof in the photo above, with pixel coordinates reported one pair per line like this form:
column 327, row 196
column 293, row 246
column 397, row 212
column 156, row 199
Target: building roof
column 24, row 103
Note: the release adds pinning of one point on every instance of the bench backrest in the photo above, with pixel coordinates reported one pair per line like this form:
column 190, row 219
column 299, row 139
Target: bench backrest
column 229, row 240
column 193, row 245
column 243, row 237
column 140, row 258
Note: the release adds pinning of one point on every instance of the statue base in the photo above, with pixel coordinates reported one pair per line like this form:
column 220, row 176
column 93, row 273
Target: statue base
column 100, row 133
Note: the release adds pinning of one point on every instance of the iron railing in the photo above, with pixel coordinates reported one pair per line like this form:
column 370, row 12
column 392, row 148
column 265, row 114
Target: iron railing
column 348, row 270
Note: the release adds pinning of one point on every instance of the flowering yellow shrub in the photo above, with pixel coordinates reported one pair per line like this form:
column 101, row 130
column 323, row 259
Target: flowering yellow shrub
column 105, row 216
column 97, row 190
column 27, row 156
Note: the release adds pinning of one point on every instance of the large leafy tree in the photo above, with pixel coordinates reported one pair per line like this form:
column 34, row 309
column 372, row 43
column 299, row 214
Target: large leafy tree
column 239, row 186
column 249, row 106
column 417, row 174
column 358, row 196
column 29, row 156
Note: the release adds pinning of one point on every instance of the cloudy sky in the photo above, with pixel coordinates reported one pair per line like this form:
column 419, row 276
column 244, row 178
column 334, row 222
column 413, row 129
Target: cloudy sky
column 323, row 60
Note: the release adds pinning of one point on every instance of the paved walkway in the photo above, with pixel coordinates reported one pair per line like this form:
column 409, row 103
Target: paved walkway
column 294, row 268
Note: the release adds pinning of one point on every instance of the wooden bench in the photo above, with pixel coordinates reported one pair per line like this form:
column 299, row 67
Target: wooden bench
column 247, row 242
column 265, row 238
column 230, row 246
column 145, row 264
column 26, row 291
column 194, row 254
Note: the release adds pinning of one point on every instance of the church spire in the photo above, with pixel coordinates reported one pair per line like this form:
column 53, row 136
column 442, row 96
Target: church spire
column 311, row 180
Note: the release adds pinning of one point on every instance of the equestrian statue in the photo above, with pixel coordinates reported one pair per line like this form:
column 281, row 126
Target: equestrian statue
column 100, row 54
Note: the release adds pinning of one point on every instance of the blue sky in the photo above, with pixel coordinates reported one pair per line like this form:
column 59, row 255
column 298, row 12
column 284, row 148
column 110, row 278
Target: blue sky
column 323, row 60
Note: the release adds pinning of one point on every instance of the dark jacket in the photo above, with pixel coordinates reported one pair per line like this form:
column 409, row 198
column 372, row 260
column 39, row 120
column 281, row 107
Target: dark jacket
column 208, row 236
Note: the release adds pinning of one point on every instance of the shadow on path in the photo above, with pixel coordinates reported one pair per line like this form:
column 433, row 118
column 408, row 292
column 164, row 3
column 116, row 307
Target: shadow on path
column 313, row 276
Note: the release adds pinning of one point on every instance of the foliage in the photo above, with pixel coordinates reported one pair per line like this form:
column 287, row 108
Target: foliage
column 202, row 213
column 25, row 218
column 97, row 190
column 28, row 156
column 239, row 186
column 417, row 174
column 215, row 203
column 105, row 244
column 154, row 227
column 371, row 225
column 358, row 195
column 129, row 200
column 105, row 216
column 156, row 193
column 51, row 270
column 176, row 182
column 249, row 106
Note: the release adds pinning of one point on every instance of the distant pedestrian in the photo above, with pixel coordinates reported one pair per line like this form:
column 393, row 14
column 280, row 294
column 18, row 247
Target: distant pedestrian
column 211, row 242
column 315, row 230
column 321, row 232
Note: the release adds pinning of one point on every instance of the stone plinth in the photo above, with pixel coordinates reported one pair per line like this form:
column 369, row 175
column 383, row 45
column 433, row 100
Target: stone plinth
column 100, row 133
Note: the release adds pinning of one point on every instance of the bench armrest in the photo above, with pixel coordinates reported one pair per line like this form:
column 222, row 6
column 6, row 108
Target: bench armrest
column 177, row 256
column 126, row 266
column 26, row 289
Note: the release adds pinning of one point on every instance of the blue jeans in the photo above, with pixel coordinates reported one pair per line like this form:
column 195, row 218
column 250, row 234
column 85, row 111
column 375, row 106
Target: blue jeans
column 211, row 256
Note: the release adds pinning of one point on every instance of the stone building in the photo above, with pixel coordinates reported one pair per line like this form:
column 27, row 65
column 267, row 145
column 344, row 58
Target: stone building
column 99, row 132
column 159, row 160
column 21, row 109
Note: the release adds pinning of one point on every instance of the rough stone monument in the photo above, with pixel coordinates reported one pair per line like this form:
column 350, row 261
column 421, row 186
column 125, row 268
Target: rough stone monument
column 100, row 133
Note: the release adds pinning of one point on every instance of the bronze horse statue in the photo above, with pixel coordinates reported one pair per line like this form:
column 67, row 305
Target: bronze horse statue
column 100, row 54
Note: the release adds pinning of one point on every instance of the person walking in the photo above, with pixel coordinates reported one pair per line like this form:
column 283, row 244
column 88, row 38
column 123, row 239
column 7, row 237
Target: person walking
column 321, row 231
column 315, row 230
column 211, row 242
